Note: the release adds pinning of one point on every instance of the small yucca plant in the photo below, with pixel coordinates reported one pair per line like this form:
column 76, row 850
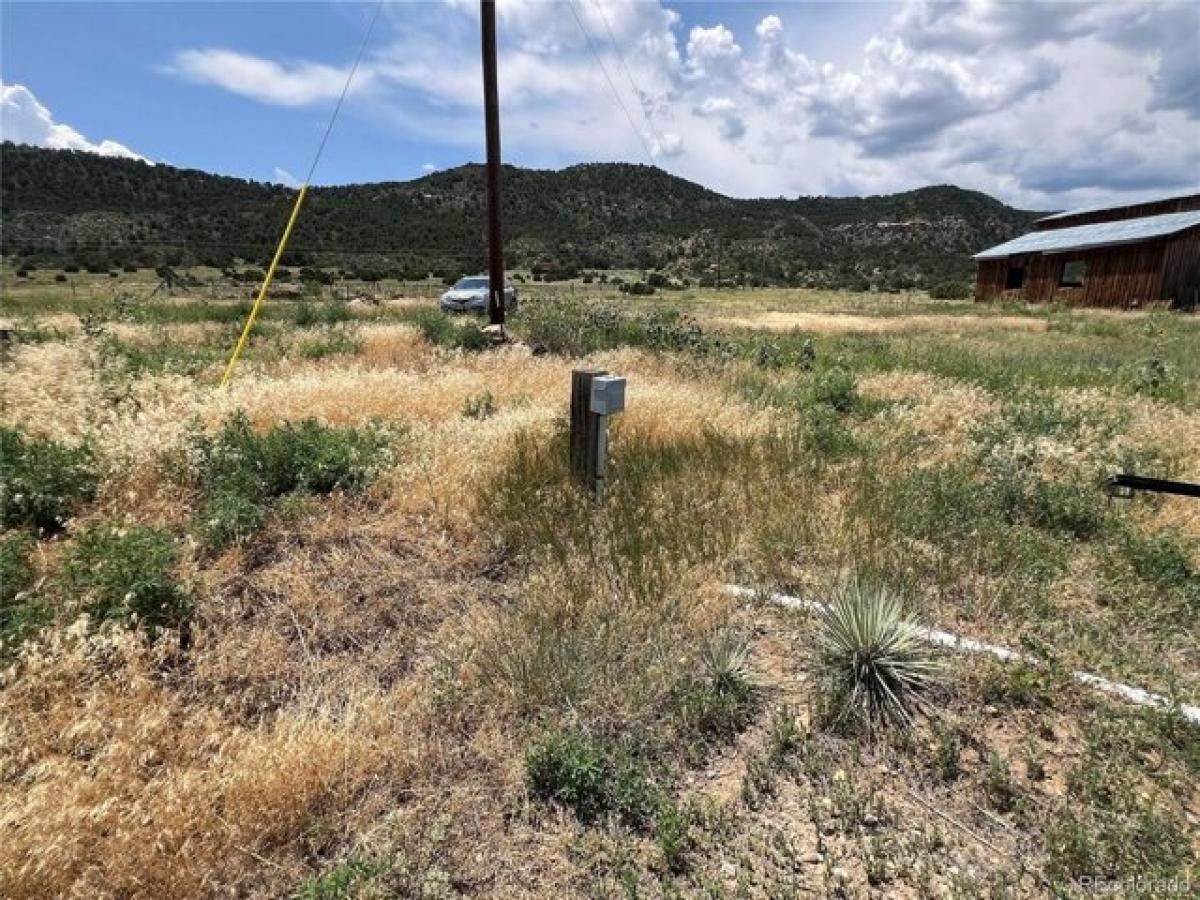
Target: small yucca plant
column 872, row 655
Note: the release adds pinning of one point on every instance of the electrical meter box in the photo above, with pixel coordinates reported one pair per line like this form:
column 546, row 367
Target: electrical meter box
column 608, row 395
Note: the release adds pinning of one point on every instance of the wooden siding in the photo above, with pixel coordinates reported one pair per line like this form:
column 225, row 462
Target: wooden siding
column 1127, row 277
column 1181, row 270
column 1186, row 203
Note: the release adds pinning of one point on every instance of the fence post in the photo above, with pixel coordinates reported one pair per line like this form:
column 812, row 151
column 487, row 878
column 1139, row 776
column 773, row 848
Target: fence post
column 585, row 427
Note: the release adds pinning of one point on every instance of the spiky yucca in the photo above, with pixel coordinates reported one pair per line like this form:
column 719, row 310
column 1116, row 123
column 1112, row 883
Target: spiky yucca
column 872, row 655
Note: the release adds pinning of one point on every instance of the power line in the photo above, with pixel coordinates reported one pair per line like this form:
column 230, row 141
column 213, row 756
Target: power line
column 612, row 87
column 345, row 90
column 659, row 136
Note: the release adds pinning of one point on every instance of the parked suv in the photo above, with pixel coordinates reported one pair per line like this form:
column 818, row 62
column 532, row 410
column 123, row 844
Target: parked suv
column 470, row 294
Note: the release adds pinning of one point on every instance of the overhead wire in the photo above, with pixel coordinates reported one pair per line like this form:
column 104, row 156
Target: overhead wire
column 637, row 90
column 608, row 78
column 291, row 223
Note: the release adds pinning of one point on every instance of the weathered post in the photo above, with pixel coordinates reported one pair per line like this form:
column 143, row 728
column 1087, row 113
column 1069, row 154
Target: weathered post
column 584, row 426
column 595, row 395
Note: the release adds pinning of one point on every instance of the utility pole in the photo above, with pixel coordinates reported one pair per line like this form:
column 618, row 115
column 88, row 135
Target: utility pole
column 491, row 111
column 718, row 283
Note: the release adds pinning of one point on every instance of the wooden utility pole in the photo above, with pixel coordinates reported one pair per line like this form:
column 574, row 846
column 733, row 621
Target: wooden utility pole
column 718, row 282
column 491, row 112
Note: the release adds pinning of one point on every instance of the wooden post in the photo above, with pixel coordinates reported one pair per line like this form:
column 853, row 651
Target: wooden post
column 585, row 428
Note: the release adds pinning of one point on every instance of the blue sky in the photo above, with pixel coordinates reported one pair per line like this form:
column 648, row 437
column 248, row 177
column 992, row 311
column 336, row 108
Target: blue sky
column 1044, row 105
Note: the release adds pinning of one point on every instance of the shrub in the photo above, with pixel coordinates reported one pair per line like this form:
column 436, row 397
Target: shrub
column 20, row 613
column 16, row 572
column 480, row 406
column 344, row 881
column 872, row 657
column 720, row 702
column 321, row 313
column 127, row 575
column 835, row 388
column 1154, row 377
column 950, row 290
column 240, row 471
column 42, row 481
column 439, row 329
column 590, row 777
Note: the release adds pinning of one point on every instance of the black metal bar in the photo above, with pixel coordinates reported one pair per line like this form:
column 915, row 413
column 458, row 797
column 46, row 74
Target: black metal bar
column 1158, row 485
column 491, row 112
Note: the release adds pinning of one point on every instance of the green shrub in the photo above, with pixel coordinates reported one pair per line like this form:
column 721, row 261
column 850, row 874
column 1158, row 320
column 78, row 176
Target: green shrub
column 16, row 571
column 835, row 388
column 1154, row 377
column 951, row 290
column 479, row 406
column 590, row 777
column 240, row 472
column 42, row 481
column 672, row 828
column 344, row 881
column 20, row 614
column 441, row 330
column 308, row 314
column 127, row 575
column 720, row 702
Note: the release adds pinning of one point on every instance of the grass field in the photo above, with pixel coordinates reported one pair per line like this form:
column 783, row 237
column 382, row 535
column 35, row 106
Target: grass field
column 347, row 628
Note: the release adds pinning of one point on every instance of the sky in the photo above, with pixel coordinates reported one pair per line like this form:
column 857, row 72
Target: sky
column 1045, row 105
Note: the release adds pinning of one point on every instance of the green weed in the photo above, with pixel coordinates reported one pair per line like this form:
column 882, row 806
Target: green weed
column 127, row 575
column 42, row 482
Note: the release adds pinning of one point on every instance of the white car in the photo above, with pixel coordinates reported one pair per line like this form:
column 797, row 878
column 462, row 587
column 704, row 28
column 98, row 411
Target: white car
column 470, row 294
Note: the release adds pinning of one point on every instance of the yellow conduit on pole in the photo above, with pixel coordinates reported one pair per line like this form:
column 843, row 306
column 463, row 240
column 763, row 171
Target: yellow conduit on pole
column 287, row 232
column 262, row 292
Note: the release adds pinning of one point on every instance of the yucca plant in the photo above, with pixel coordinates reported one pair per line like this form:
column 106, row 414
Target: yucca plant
column 872, row 655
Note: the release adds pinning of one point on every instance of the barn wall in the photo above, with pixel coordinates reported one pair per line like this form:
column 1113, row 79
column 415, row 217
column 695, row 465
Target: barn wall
column 1156, row 208
column 1123, row 277
column 1181, row 270
column 989, row 279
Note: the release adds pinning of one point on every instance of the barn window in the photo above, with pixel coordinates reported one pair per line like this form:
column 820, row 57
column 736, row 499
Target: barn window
column 1015, row 279
column 1073, row 273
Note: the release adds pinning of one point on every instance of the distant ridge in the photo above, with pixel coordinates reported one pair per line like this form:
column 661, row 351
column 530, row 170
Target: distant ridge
column 62, row 206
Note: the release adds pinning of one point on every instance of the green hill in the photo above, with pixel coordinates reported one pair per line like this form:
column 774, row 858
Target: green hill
column 63, row 207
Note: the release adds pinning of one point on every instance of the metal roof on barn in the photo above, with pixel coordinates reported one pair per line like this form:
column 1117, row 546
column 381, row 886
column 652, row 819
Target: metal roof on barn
column 1100, row 234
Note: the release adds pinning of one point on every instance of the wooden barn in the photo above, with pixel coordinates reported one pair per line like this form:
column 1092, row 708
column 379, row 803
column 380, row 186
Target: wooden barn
column 1142, row 254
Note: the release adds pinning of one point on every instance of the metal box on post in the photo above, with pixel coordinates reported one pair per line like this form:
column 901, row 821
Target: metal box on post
column 608, row 395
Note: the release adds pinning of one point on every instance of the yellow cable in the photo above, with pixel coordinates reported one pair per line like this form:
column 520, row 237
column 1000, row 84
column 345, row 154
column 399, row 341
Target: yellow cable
column 262, row 293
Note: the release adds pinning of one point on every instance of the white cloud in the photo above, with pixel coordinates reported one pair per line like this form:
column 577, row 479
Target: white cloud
column 293, row 84
column 769, row 29
column 730, row 124
column 23, row 120
column 712, row 51
column 1044, row 105
column 428, row 167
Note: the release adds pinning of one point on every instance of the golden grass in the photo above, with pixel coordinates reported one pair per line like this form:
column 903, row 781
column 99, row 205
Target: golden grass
column 360, row 674
column 940, row 409
column 150, row 336
column 845, row 323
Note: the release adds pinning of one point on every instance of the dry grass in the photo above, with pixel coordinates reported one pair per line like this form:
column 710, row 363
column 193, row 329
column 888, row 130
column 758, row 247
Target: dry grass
column 843, row 323
column 363, row 676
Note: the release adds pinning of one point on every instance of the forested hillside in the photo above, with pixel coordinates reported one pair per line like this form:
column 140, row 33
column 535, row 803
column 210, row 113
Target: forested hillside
column 71, row 208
